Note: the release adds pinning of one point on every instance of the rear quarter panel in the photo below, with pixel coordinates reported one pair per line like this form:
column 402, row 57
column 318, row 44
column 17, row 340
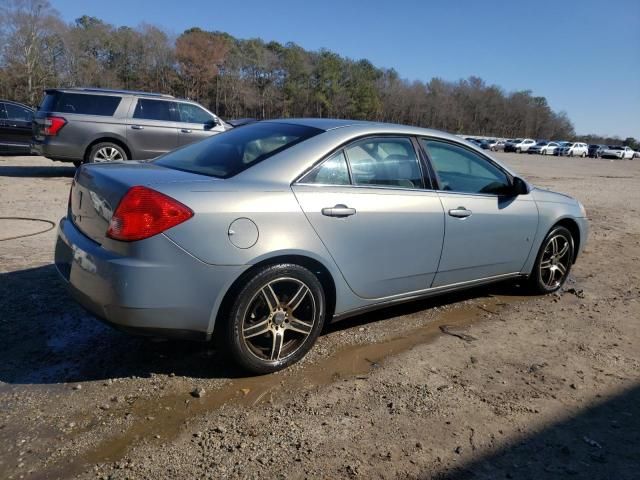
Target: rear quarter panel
column 282, row 228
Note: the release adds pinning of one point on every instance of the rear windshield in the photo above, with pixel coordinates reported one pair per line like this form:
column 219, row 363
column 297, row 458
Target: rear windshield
column 84, row 104
column 227, row 154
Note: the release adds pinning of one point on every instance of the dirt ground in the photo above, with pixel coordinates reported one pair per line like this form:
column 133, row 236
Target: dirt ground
column 490, row 383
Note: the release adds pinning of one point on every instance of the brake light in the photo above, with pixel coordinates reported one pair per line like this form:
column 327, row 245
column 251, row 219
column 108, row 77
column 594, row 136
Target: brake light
column 143, row 213
column 52, row 126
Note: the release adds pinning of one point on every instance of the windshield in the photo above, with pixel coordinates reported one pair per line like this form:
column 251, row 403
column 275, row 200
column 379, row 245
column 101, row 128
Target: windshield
column 227, row 154
column 542, row 144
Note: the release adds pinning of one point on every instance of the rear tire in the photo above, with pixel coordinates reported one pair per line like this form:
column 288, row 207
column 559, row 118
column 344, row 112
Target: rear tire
column 275, row 318
column 553, row 262
column 107, row 152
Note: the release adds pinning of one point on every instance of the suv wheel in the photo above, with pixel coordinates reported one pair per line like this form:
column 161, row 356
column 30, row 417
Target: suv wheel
column 106, row 152
column 275, row 318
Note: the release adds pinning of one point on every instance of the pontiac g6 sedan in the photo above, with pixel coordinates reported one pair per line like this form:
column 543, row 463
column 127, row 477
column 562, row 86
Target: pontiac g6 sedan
column 261, row 234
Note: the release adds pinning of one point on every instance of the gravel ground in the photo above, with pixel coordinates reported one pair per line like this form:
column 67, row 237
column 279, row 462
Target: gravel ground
column 489, row 383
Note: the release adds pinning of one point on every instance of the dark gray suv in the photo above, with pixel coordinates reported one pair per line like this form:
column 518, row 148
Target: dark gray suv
column 96, row 125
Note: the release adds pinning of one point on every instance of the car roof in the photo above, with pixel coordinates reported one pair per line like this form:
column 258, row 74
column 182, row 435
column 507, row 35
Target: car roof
column 366, row 127
column 16, row 103
column 109, row 91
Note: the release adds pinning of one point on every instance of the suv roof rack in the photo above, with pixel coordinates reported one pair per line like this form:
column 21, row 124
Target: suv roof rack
column 124, row 92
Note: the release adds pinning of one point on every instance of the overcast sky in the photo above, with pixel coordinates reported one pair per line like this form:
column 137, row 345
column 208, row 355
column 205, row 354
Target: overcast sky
column 584, row 56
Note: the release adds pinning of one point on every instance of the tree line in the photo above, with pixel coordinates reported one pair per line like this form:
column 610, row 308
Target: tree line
column 250, row 78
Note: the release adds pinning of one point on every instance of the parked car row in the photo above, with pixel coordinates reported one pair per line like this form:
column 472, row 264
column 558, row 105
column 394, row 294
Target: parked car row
column 558, row 148
column 88, row 125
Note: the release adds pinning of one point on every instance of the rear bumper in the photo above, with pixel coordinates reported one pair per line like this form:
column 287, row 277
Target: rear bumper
column 177, row 296
column 53, row 148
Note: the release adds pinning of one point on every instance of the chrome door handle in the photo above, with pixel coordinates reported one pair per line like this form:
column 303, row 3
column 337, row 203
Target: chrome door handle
column 460, row 212
column 137, row 127
column 186, row 130
column 339, row 211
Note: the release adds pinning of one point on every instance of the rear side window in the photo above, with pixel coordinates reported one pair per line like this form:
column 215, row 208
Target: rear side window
column 229, row 153
column 80, row 103
column 333, row 171
column 384, row 162
column 3, row 113
column 155, row 110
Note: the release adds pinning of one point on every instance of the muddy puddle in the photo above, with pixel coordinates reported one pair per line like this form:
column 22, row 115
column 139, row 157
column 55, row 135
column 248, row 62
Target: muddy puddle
column 160, row 420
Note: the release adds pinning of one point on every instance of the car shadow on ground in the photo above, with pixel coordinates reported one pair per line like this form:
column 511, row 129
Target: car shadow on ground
column 601, row 441
column 37, row 171
column 46, row 337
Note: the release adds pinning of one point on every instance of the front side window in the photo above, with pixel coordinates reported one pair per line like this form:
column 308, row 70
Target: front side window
column 229, row 153
column 14, row 112
column 154, row 110
column 384, row 162
column 3, row 113
column 461, row 170
column 190, row 113
column 333, row 171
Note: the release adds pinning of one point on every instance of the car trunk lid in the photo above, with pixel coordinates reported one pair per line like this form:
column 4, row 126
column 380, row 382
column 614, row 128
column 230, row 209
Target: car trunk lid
column 97, row 189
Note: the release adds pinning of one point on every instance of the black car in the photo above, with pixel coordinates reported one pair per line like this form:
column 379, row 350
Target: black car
column 595, row 151
column 15, row 127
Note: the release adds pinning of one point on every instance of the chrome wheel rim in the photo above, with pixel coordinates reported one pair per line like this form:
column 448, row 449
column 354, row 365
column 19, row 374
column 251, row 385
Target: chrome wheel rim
column 107, row 154
column 555, row 261
column 279, row 319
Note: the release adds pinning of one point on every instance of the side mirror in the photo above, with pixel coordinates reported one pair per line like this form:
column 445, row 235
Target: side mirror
column 209, row 124
column 520, row 187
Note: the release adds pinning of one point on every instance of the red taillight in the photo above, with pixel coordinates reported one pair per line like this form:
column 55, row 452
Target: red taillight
column 143, row 213
column 52, row 126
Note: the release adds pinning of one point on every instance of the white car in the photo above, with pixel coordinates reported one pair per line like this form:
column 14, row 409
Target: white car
column 618, row 151
column 523, row 145
column 576, row 149
column 544, row 148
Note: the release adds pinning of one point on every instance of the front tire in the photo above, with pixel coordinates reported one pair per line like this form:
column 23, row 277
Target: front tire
column 107, row 152
column 553, row 262
column 275, row 318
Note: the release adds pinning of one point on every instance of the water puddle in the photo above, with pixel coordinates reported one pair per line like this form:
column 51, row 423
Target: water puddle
column 169, row 413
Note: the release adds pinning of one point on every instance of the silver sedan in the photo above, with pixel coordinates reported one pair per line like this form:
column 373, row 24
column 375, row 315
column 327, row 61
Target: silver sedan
column 262, row 234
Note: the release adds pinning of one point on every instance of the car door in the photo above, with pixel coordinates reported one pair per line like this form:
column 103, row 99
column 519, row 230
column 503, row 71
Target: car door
column 195, row 123
column 369, row 206
column 16, row 131
column 488, row 231
column 152, row 129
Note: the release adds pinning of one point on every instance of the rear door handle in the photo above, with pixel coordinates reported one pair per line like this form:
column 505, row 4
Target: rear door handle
column 460, row 212
column 137, row 127
column 186, row 130
column 339, row 211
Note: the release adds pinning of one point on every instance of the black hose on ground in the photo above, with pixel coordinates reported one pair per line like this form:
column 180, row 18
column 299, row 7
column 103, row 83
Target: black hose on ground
column 51, row 226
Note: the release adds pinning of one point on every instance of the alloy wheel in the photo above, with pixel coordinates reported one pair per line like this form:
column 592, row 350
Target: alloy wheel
column 555, row 261
column 107, row 154
column 279, row 319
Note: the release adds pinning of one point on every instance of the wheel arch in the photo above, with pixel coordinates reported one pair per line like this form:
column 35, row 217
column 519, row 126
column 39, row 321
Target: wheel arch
column 315, row 266
column 107, row 138
column 571, row 225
